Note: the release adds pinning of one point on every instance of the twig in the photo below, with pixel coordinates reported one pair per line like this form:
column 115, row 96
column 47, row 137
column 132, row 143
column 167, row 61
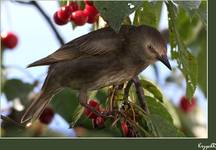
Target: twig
column 9, row 120
column 140, row 94
column 112, row 97
column 127, row 89
column 47, row 18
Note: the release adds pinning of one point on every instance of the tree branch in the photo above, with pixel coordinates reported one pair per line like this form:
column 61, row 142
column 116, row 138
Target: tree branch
column 46, row 17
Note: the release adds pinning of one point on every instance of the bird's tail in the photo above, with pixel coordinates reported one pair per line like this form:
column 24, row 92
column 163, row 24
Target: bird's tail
column 35, row 109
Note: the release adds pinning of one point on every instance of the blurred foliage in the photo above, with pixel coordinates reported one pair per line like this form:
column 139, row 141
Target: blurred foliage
column 187, row 38
column 153, row 89
column 114, row 12
column 186, row 61
column 15, row 88
column 148, row 13
column 65, row 103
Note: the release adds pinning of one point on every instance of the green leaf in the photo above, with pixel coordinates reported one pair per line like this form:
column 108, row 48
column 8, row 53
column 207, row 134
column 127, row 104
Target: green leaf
column 62, row 2
column 202, row 12
column 65, row 103
column 15, row 88
column 101, row 96
column 157, row 108
column 148, row 14
column 186, row 61
column 189, row 5
column 152, row 88
column 126, row 21
column 77, row 114
column 82, row 121
column 202, row 63
column 165, row 128
column 188, row 27
column 114, row 12
column 158, row 122
column 198, row 8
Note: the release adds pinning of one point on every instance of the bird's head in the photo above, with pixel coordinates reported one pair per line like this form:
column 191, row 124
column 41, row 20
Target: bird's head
column 154, row 46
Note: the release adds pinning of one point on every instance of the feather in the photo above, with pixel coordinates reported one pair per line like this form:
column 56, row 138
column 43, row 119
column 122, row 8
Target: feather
column 95, row 43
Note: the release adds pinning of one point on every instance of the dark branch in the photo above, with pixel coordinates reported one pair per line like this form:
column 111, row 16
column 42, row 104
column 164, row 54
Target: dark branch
column 11, row 121
column 36, row 5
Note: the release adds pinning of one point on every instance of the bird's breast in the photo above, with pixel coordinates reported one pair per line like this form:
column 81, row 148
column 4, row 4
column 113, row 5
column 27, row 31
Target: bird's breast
column 111, row 78
column 97, row 72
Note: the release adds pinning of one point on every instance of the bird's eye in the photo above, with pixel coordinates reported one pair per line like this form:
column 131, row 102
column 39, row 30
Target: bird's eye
column 150, row 47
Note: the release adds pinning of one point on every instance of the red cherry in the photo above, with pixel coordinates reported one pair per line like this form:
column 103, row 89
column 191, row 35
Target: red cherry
column 64, row 13
column 9, row 39
column 186, row 105
column 124, row 128
column 92, row 13
column 47, row 115
column 89, row 113
column 58, row 20
column 79, row 17
column 99, row 121
column 89, row 2
column 74, row 6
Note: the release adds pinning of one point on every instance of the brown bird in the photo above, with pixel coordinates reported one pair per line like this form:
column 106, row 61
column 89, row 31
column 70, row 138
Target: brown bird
column 96, row 60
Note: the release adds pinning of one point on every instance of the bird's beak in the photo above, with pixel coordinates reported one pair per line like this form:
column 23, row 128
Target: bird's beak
column 165, row 61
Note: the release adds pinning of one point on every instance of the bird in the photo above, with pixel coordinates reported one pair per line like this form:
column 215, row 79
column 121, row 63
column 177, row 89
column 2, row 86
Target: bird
column 95, row 60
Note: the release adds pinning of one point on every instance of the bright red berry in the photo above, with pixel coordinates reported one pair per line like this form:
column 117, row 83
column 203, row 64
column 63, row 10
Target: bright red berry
column 99, row 121
column 89, row 2
column 79, row 17
column 124, row 128
column 92, row 13
column 9, row 39
column 47, row 115
column 187, row 105
column 64, row 13
column 74, row 6
column 58, row 20
column 94, row 104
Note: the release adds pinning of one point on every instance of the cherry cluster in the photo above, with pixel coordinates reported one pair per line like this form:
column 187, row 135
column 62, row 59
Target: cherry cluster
column 9, row 40
column 73, row 12
column 97, row 120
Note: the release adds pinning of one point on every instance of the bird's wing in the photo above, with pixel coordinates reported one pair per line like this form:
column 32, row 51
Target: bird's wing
column 98, row 42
